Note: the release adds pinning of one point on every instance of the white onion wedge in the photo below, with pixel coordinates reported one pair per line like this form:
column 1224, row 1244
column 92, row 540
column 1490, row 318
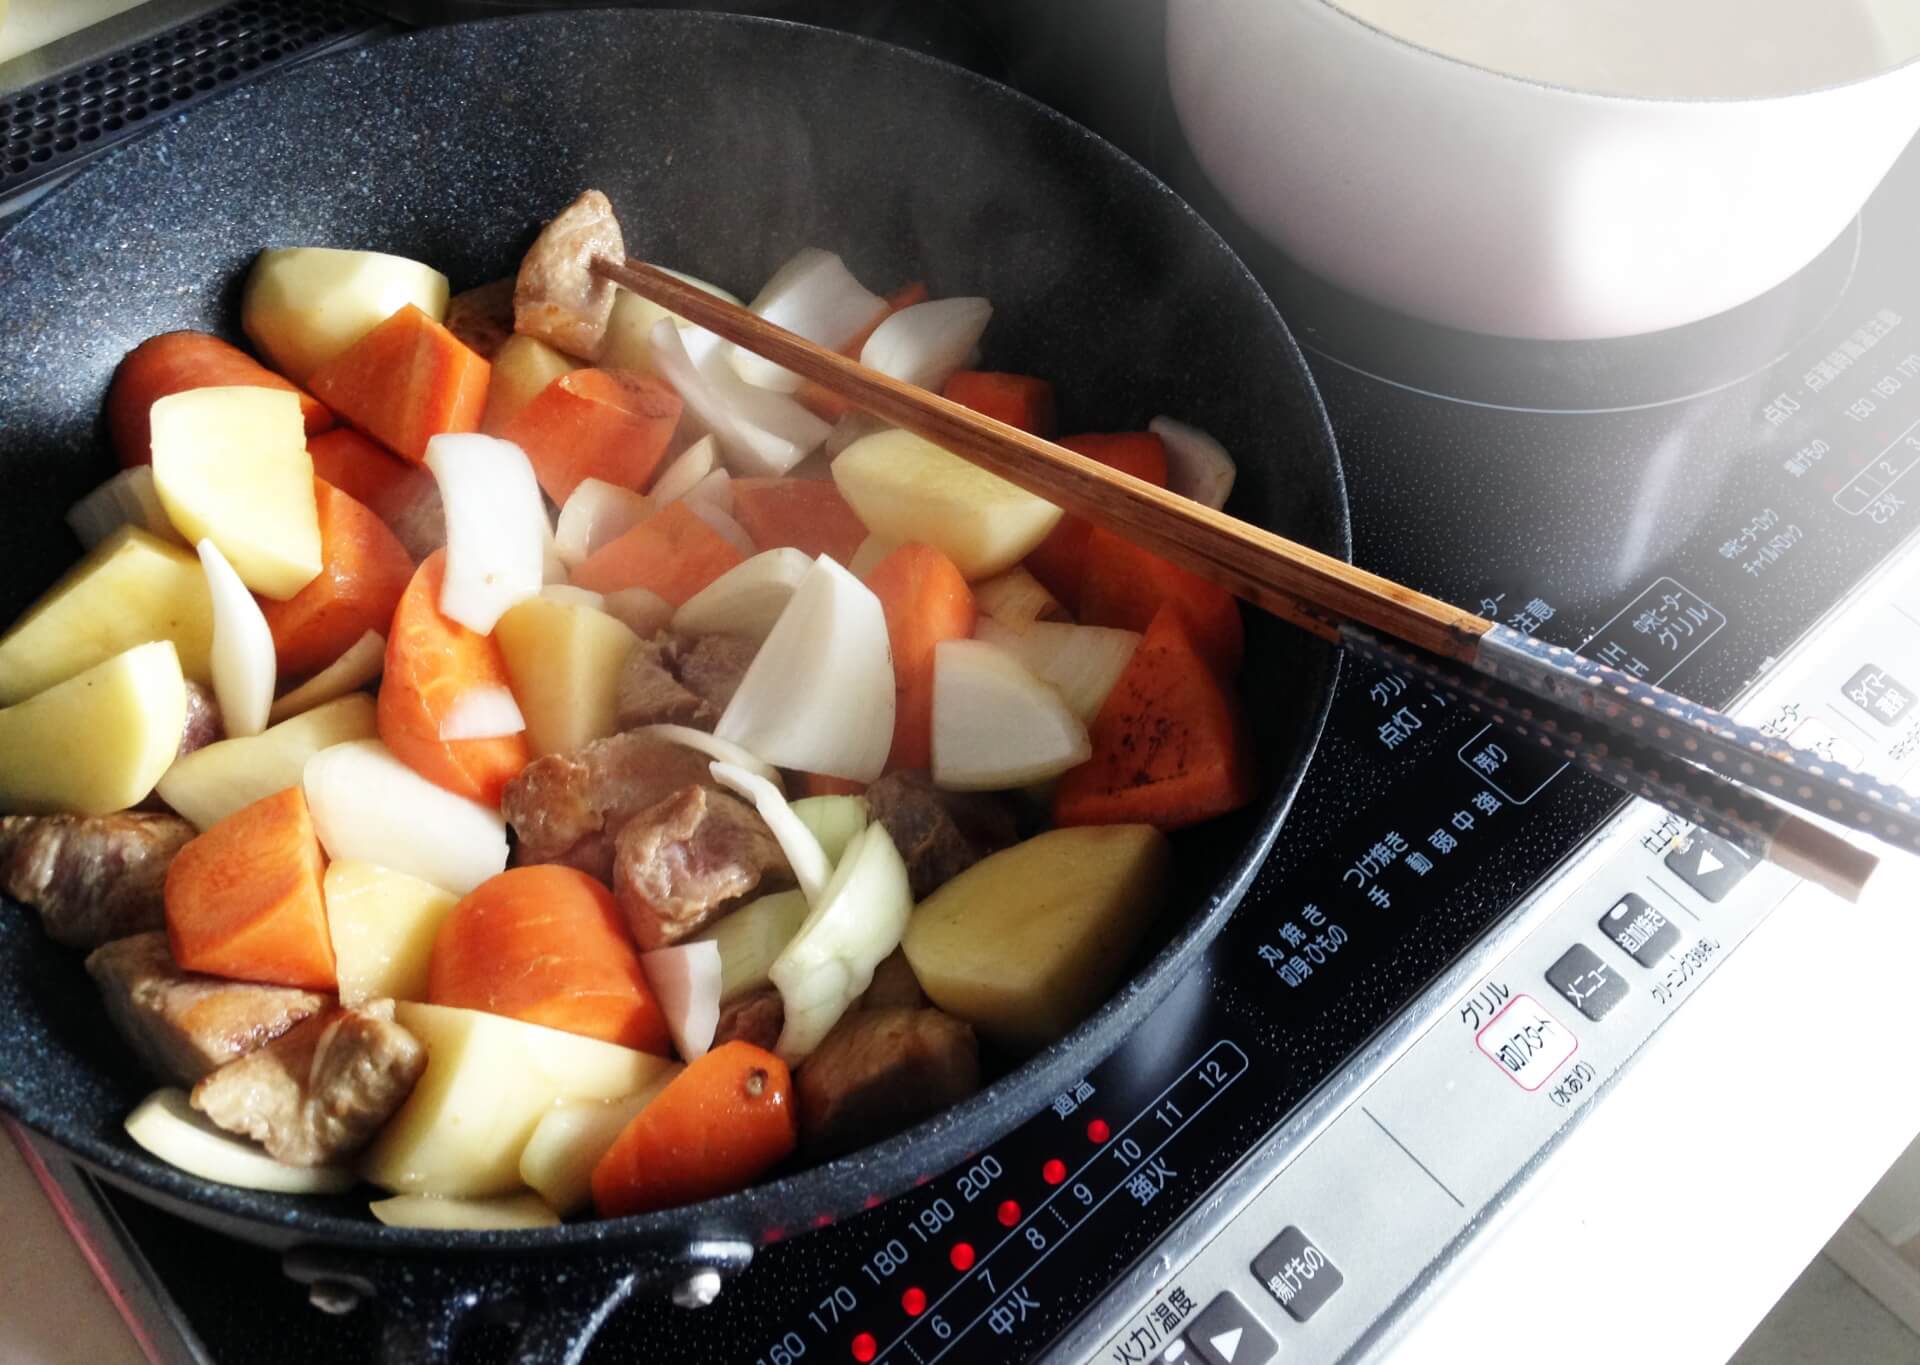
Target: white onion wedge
column 856, row 923
column 166, row 1124
column 804, row 854
column 553, row 569
column 715, row 491
column 751, row 938
column 685, row 471
column 127, row 499
column 819, row 695
column 834, row 821
column 1017, row 599
column 1081, row 663
column 748, row 598
column 927, row 342
column 815, row 296
column 496, row 526
column 771, row 412
column 715, row 748
column 716, row 396
column 500, row 1213
column 1198, row 466
column 360, row 665
column 369, row 805
column 641, row 610
column 593, row 514
column 574, row 597
column 570, row 1139
column 685, row 979
column 995, row 725
column 849, row 429
column 242, row 657
column 487, row 712
column 723, row 523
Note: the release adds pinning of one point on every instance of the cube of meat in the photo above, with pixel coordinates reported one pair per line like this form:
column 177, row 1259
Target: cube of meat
column 880, row 1071
column 321, row 1090
column 939, row 834
column 482, row 316
column 566, row 808
column 556, row 297
column 687, row 860
column 93, row 878
column 894, row 986
column 185, row 1025
column 681, row 680
column 756, row 1017
column 204, row 725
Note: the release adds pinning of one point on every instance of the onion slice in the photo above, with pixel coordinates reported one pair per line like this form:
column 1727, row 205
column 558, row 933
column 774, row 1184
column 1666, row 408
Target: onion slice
column 1081, row 663
column 594, row 513
column 684, row 472
column 925, row 344
column 714, row 490
column 127, row 499
column 1017, row 599
column 715, row 748
column 166, row 1124
column 717, row 397
column 369, row 805
column 496, row 526
column 813, row 295
column 748, row 598
column 723, row 523
column 360, row 665
column 804, row 854
column 1198, row 466
column 641, row 610
column 995, row 725
column 243, row 659
column 819, row 695
column 485, row 712
column 685, row 979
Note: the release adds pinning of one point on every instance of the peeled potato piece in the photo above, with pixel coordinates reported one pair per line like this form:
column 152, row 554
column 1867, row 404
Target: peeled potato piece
column 97, row 742
column 304, row 305
column 570, row 1140
column 166, row 1125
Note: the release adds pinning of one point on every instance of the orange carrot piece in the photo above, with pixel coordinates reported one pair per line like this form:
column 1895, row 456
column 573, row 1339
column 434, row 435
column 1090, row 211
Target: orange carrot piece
column 1126, row 586
column 432, row 662
column 594, row 424
column 363, row 571
column 173, row 363
column 829, row 406
column 1019, row 400
column 407, row 380
column 717, row 1127
column 243, row 899
column 819, row 784
column 808, row 514
column 1170, row 745
column 546, row 944
column 926, row 600
column 365, row 471
column 1060, row 561
column 672, row 553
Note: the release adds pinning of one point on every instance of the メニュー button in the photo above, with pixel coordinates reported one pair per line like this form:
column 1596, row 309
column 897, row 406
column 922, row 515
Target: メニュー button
column 1587, row 983
column 1297, row 1273
column 1711, row 866
column 1226, row 1333
column 1642, row 931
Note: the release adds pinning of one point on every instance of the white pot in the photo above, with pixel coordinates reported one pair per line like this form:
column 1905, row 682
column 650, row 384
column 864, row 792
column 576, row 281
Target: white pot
column 1501, row 205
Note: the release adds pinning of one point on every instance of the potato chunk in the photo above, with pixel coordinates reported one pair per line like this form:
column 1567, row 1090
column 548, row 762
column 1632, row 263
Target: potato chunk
column 304, row 305
column 383, row 924
column 563, row 660
column 97, row 742
column 211, row 783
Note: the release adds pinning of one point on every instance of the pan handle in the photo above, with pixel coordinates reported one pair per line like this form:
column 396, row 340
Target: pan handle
column 560, row 1302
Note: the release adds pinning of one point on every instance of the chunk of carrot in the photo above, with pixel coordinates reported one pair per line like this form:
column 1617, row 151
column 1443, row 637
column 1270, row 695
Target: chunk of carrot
column 673, row 553
column 1060, row 560
column 173, row 363
column 1126, row 586
column 432, row 661
column 595, row 424
column 807, row 514
column 829, row 406
column 1170, row 744
column 717, row 1127
column 819, row 784
column 366, row 472
column 363, row 571
column 546, row 944
column 1019, row 400
column 406, row 381
column 927, row 600
column 243, row 900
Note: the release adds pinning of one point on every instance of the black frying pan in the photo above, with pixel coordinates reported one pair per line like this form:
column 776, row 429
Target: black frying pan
column 725, row 144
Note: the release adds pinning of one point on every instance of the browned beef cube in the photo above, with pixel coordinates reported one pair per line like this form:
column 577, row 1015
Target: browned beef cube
column 686, row 860
column 567, row 807
column 680, row 680
column 880, row 1071
column 93, row 878
column 939, row 834
column 755, row 1017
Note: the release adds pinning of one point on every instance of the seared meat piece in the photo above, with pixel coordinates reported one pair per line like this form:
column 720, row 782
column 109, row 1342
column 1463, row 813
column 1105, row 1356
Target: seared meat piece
column 681, row 863
column 556, row 298
column 93, row 878
column 939, row 834
column 566, row 808
column 880, row 1071
column 755, row 1017
column 204, row 725
column 482, row 317
column 681, row 680
column 894, row 986
column 183, row 1024
column 321, row 1090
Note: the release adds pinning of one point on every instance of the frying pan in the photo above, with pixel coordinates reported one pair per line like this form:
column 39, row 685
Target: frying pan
column 726, row 144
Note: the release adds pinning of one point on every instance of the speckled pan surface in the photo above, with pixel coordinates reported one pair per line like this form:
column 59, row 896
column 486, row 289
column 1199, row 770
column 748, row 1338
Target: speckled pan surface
column 725, row 144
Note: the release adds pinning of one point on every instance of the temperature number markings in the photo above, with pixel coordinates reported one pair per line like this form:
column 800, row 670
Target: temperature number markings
column 992, row 1292
column 1863, row 490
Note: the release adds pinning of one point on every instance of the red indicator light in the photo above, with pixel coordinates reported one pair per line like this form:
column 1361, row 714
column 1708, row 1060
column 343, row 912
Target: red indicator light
column 865, row 1348
column 961, row 1256
column 1008, row 1213
column 914, row 1301
column 1097, row 1131
column 1054, row 1171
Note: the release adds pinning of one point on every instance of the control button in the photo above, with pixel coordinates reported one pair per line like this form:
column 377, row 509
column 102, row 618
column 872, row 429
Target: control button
column 1587, row 983
column 1297, row 1273
column 1225, row 1333
column 1709, row 865
column 1879, row 694
column 1645, row 933
column 1526, row 1042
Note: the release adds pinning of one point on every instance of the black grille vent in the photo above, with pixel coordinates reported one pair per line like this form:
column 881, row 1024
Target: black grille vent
column 46, row 130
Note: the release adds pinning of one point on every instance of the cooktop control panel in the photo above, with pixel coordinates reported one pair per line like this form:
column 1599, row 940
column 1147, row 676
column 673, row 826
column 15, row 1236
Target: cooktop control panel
column 1317, row 1261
